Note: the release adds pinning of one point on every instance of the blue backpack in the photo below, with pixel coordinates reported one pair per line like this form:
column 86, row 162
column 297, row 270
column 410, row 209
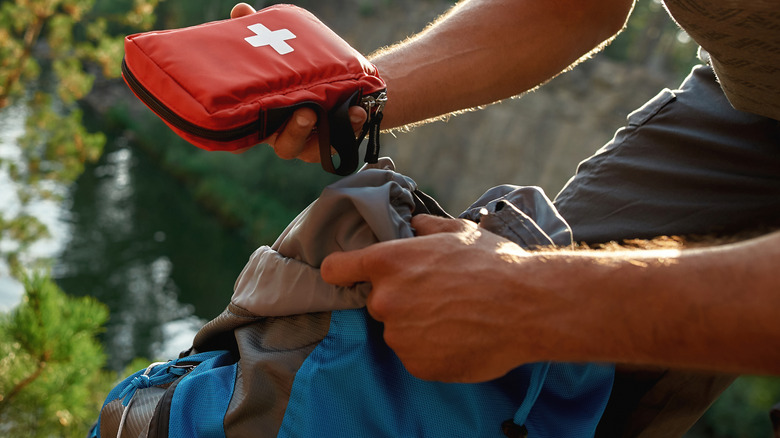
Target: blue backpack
column 292, row 356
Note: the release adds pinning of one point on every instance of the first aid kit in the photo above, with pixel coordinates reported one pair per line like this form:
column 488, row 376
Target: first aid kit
column 227, row 85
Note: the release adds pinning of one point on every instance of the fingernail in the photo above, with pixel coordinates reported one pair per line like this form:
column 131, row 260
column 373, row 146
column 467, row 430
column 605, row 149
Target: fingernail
column 355, row 119
column 303, row 121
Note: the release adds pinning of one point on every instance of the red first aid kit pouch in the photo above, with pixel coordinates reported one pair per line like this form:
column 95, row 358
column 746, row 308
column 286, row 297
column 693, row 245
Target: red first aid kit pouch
column 226, row 85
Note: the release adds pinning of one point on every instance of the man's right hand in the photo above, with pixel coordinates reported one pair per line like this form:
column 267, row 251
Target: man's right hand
column 294, row 139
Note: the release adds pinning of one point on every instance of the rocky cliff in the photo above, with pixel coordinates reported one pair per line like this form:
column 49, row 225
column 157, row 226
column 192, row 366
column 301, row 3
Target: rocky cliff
column 537, row 139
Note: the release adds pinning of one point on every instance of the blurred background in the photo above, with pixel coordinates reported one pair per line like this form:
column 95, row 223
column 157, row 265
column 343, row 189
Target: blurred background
column 118, row 240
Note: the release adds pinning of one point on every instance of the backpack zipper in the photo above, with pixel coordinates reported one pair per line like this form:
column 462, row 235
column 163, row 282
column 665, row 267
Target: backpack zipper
column 178, row 122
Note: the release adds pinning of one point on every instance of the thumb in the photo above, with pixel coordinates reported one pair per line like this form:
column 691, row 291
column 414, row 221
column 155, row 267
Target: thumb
column 241, row 10
column 345, row 268
column 358, row 117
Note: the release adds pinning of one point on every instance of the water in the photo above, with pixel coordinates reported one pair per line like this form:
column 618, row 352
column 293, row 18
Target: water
column 131, row 235
column 11, row 127
column 141, row 244
column 49, row 212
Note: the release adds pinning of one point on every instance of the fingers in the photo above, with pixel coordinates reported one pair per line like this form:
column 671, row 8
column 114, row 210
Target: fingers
column 242, row 150
column 345, row 268
column 241, row 10
column 311, row 151
column 294, row 140
column 425, row 225
column 294, row 136
column 358, row 117
column 351, row 267
column 348, row 268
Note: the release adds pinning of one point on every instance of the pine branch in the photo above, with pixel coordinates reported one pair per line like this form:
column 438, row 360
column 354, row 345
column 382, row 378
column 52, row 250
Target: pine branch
column 30, row 38
column 19, row 387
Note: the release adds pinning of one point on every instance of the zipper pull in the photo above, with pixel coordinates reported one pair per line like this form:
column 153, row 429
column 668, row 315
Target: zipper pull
column 374, row 106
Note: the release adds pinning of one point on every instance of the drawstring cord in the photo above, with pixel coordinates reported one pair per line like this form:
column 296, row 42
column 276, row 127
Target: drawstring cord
column 162, row 376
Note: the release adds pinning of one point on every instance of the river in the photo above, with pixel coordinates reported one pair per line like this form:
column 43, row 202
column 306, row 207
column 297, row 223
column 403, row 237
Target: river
column 142, row 245
column 132, row 236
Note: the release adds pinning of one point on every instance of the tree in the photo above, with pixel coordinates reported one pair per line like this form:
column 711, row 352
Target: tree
column 51, row 363
column 46, row 47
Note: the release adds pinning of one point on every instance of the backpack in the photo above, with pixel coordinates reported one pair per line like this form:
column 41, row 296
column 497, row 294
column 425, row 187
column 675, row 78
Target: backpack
column 292, row 356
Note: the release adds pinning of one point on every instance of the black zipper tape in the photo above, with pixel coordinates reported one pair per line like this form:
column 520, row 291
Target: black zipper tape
column 226, row 135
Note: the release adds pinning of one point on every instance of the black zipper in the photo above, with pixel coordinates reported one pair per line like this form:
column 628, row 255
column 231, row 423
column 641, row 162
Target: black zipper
column 225, row 135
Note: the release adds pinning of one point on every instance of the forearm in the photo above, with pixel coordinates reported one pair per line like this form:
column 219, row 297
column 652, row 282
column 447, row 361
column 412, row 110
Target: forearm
column 712, row 309
column 483, row 51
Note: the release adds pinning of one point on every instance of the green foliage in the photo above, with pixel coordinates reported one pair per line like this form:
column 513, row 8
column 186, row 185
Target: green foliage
column 56, row 146
column 180, row 13
column 742, row 411
column 653, row 40
column 25, row 230
column 51, row 364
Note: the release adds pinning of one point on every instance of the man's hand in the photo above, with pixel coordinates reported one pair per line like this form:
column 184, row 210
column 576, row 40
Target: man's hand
column 443, row 297
column 295, row 139
column 460, row 304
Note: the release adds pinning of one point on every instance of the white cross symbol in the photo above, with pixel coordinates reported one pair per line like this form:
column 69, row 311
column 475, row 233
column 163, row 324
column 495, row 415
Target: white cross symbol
column 275, row 39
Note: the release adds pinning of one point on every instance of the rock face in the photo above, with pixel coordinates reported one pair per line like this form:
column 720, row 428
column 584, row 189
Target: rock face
column 536, row 139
